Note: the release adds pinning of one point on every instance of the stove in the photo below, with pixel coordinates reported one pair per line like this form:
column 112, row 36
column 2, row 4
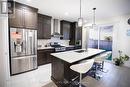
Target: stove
column 58, row 47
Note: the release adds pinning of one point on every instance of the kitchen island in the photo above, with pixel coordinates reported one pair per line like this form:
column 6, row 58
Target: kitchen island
column 61, row 62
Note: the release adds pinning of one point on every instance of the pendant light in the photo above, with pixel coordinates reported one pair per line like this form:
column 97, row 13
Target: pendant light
column 80, row 19
column 94, row 18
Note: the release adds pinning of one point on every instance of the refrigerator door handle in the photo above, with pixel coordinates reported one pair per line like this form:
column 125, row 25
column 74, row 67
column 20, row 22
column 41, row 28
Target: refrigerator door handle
column 24, row 57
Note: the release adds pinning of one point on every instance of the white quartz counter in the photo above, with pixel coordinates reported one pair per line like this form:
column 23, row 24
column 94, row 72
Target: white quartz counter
column 72, row 56
column 42, row 48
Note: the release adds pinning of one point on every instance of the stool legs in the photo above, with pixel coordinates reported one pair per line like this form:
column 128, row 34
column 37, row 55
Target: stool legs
column 104, row 69
column 80, row 80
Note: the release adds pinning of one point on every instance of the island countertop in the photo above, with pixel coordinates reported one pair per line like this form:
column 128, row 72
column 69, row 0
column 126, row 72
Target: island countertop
column 73, row 56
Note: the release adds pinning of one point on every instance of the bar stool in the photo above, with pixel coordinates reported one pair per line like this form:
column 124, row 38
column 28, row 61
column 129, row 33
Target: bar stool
column 82, row 67
column 99, row 60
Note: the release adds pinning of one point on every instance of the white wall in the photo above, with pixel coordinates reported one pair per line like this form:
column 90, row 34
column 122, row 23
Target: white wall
column 4, row 58
column 2, row 75
column 120, row 40
column 123, row 40
column 85, row 37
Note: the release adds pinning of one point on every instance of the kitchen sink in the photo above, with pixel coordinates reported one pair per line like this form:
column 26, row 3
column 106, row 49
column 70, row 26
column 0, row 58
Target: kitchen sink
column 81, row 51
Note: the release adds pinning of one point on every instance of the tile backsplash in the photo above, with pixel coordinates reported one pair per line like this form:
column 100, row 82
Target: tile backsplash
column 43, row 42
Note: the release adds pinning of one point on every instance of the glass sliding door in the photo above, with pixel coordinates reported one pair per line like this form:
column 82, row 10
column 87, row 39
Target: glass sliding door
column 101, row 38
column 93, row 38
column 105, row 37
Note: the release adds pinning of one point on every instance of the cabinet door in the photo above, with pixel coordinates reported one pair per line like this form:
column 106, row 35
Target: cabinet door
column 70, row 48
column 17, row 20
column 30, row 19
column 41, row 58
column 72, row 33
column 44, row 57
column 49, row 57
column 78, row 34
column 46, row 28
column 65, row 30
column 40, row 30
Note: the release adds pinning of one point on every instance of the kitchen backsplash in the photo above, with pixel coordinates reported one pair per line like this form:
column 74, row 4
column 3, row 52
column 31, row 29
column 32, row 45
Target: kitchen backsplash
column 44, row 42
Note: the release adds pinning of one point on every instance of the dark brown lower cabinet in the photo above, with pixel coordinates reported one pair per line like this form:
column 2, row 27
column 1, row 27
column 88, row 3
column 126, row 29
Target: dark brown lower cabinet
column 70, row 48
column 44, row 57
column 48, row 56
column 41, row 57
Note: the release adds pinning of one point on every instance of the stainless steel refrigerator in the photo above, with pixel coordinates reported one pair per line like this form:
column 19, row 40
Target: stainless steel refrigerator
column 23, row 50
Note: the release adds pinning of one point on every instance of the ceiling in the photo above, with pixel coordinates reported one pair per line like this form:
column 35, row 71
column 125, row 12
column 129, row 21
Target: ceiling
column 69, row 9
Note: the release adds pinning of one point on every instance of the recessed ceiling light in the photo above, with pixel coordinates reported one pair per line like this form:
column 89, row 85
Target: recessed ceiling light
column 28, row 0
column 85, row 21
column 66, row 13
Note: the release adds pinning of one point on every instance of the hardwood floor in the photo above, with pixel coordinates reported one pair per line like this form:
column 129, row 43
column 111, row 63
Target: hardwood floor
column 51, row 84
column 115, row 77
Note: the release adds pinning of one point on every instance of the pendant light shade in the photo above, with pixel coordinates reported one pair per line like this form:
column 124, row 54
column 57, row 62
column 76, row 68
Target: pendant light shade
column 94, row 19
column 80, row 22
column 80, row 19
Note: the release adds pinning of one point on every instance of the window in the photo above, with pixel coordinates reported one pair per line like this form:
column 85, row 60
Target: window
column 101, row 37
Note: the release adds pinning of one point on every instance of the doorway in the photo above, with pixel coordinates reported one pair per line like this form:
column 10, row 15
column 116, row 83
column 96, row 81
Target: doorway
column 100, row 37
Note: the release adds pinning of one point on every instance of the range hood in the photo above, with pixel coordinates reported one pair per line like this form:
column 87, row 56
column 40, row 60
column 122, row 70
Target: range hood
column 56, row 27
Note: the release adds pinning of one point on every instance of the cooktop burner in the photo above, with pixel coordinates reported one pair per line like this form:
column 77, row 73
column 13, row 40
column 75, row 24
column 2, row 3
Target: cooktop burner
column 58, row 47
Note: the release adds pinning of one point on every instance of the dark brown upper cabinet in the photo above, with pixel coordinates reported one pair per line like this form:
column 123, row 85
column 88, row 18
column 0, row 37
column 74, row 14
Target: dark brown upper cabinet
column 75, row 33
column 78, row 37
column 65, row 29
column 24, row 17
column 44, row 26
column 30, row 19
column 17, row 19
column 71, row 31
column 78, row 33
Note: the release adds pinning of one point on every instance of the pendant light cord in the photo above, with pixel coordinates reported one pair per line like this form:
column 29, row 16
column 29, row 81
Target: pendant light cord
column 80, row 9
column 94, row 15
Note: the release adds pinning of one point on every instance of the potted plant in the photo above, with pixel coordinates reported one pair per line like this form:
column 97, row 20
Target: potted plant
column 108, row 38
column 121, row 59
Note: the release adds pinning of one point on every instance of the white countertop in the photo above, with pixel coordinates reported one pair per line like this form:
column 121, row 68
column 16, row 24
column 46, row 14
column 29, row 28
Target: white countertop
column 40, row 48
column 72, row 56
